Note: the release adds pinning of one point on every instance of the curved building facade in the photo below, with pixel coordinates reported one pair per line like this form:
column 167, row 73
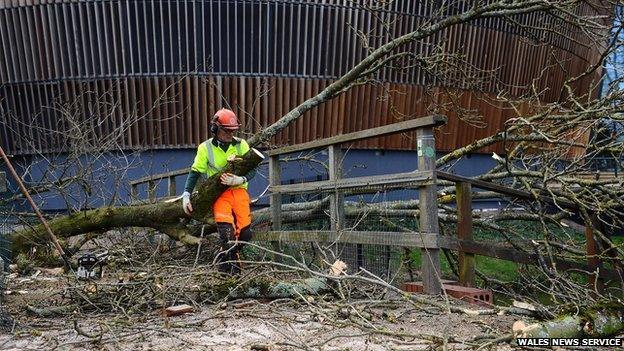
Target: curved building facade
column 148, row 74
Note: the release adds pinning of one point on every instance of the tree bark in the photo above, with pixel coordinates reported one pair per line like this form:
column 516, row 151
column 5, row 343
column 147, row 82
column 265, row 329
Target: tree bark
column 594, row 322
column 162, row 216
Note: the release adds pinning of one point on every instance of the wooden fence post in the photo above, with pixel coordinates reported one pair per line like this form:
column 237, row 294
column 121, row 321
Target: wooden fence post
column 336, row 200
column 593, row 260
column 428, row 204
column 276, row 199
column 464, row 232
column 171, row 186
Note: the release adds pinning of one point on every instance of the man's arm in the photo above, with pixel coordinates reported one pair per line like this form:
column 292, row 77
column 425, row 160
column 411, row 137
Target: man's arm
column 199, row 166
column 249, row 176
column 191, row 181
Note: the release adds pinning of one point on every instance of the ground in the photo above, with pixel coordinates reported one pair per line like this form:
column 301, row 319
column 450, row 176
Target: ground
column 311, row 322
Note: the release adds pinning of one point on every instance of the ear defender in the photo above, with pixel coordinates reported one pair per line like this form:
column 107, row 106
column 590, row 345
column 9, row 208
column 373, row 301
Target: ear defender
column 214, row 128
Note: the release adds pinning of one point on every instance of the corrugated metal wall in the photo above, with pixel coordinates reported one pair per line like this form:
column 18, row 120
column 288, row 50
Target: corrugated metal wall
column 158, row 69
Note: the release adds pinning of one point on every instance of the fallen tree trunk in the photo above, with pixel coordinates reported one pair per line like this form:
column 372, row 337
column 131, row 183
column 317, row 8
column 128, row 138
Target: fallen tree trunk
column 594, row 322
column 162, row 216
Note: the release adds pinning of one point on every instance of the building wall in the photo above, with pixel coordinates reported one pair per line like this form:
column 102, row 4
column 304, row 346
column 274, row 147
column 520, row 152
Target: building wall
column 148, row 74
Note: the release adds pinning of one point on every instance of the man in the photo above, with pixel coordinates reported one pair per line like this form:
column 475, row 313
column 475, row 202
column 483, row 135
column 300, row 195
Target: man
column 231, row 210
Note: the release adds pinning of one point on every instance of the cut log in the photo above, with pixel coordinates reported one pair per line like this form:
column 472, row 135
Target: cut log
column 594, row 322
column 564, row 327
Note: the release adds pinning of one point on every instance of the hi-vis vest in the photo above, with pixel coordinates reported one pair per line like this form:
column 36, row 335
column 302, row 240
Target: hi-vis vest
column 210, row 159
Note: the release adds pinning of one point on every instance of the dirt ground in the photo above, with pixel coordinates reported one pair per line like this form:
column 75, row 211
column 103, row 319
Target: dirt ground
column 310, row 323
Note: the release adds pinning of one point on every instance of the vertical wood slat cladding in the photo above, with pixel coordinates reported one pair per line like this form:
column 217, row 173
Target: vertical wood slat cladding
column 159, row 69
column 165, row 37
column 159, row 112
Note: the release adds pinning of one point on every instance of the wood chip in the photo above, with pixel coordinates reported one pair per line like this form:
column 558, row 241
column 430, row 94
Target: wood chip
column 524, row 305
column 178, row 310
column 518, row 327
column 337, row 268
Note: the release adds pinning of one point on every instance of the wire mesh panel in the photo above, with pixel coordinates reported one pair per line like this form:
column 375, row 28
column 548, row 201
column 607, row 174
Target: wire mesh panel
column 382, row 211
column 314, row 233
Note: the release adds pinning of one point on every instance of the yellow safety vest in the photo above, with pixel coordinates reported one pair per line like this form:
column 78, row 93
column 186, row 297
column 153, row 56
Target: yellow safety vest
column 211, row 159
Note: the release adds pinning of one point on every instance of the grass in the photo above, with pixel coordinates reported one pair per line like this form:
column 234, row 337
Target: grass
column 520, row 230
column 492, row 267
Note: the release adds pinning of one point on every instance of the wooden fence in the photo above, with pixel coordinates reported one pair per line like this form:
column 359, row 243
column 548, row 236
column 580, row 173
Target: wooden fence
column 152, row 181
column 468, row 248
column 424, row 179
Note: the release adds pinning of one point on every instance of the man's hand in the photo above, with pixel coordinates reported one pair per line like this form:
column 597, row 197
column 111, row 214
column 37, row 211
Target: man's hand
column 186, row 203
column 232, row 179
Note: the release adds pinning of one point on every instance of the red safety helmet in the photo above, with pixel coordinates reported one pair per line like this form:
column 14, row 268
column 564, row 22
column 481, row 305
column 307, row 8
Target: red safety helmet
column 225, row 119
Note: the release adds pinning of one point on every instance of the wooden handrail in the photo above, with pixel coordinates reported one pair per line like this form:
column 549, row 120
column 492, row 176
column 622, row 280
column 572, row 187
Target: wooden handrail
column 505, row 190
column 411, row 239
column 159, row 176
column 405, row 126
column 357, row 185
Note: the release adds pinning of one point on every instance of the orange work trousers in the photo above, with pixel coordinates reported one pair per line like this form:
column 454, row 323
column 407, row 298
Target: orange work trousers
column 233, row 207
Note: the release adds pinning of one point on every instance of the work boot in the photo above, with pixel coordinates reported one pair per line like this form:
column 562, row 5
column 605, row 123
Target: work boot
column 244, row 236
column 226, row 233
column 235, row 265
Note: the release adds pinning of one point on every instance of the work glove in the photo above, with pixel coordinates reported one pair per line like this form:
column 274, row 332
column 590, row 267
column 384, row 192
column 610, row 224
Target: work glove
column 232, row 179
column 186, row 203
